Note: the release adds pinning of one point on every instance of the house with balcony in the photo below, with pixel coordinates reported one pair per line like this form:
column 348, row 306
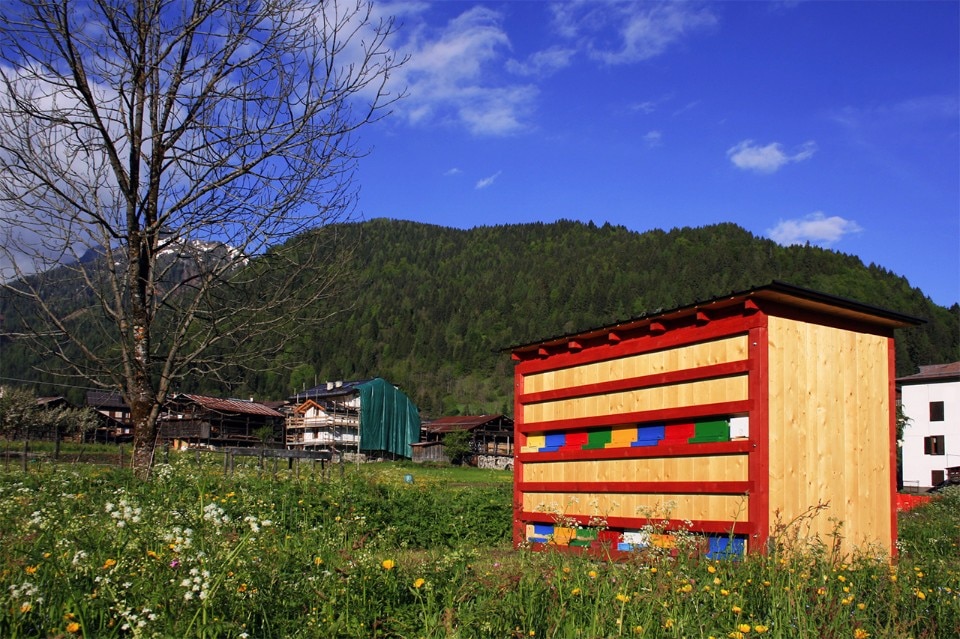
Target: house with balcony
column 369, row 417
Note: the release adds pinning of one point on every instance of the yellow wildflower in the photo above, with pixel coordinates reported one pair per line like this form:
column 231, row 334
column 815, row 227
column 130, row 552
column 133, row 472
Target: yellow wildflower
column 860, row 633
column 418, row 583
column 73, row 627
column 744, row 627
column 26, row 607
column 920, row 595
column 592, row 574
column 622, row 598
column 737, row 610
column 711, row 569
column 760, row 629
column 388, row 564
column 31, row 570
column 109, row 563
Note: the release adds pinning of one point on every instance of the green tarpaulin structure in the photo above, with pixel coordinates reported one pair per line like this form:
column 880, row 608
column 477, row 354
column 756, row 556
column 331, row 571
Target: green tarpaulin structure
column 389, row 421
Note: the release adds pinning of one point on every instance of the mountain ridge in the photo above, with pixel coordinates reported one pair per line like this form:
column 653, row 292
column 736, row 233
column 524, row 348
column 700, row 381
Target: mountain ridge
column 431, row 308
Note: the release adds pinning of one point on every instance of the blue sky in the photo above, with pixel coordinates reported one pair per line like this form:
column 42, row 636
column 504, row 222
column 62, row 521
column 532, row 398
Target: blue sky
column 836, row 123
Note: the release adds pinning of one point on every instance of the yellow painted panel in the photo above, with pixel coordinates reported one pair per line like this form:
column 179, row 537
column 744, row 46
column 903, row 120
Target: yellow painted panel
column 660, row 397
column 732, row 508
column 699, row 468
column 721, row 351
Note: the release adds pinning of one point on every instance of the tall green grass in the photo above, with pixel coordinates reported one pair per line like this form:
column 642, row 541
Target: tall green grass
column 197, row 552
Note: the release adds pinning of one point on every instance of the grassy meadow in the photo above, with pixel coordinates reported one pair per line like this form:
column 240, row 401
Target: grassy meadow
column 359, row 551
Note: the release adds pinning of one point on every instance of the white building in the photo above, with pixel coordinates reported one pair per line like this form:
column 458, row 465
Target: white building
column 931, row 438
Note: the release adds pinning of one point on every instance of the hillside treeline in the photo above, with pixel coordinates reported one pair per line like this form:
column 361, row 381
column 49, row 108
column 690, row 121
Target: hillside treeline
column 431, row 308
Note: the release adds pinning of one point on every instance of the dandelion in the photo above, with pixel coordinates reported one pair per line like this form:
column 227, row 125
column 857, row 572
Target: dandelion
column 711, row 569
column 31, row 570
column 622, row 598
column 109, row 563
column 592, row 574
column 744, row 627
column 668, row 623
column 920, row 595
column 318, row 561
column 575, row 592
column 388, row 564
column 73, row 627
column 860, row 633
column 737, row 610
column 418, row 583
column 760, row 629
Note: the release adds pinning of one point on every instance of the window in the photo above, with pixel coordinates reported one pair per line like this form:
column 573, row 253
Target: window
column 936, row 411
column 933, row 445
column 936, row 477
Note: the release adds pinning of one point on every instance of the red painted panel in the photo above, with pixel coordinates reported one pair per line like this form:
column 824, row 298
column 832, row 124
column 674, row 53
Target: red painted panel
column 628, row 523
column 675, row 434
column 642, row 487
column 758, row 468
column 892, row 375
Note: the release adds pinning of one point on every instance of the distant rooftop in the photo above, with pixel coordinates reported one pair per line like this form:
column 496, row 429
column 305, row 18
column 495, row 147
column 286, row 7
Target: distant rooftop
column 933, row 373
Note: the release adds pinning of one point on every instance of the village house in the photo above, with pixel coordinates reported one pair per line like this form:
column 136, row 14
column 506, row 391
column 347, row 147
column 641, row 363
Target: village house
column 491, row 440
column 368, row 417
column 198, row 420
column 930, row 400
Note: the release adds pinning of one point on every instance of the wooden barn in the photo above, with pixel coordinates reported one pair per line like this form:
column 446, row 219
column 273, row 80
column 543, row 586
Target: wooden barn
column 212, row 421
column 725, row 418
column 491, row 439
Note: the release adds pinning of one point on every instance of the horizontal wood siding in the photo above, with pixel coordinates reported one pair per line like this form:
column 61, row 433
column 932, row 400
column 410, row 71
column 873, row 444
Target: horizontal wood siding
column 719, row 351
column 646, row 399
column 725, row 508
column 665, row 469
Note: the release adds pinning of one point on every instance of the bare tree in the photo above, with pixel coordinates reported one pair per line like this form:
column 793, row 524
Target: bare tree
column 201, row 149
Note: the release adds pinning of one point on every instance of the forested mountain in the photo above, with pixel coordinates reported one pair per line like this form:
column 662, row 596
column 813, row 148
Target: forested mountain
column 431, row 308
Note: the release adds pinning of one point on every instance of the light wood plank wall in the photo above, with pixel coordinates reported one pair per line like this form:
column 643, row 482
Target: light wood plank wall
column 719, row 351
column 668, row 469
column 829, row 430
column 732, row 508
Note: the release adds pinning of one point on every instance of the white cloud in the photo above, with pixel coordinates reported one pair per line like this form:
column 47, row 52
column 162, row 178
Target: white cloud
column 452, row 171
column 647, row 107
column 487, row 181
column 448, row 76
column 653, row 139
column 542, row 63
column 815, row 228
column 747, row 155
column 640, row 31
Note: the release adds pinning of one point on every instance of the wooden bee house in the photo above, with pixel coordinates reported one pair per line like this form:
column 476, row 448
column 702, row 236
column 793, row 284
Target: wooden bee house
column 724, row 418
